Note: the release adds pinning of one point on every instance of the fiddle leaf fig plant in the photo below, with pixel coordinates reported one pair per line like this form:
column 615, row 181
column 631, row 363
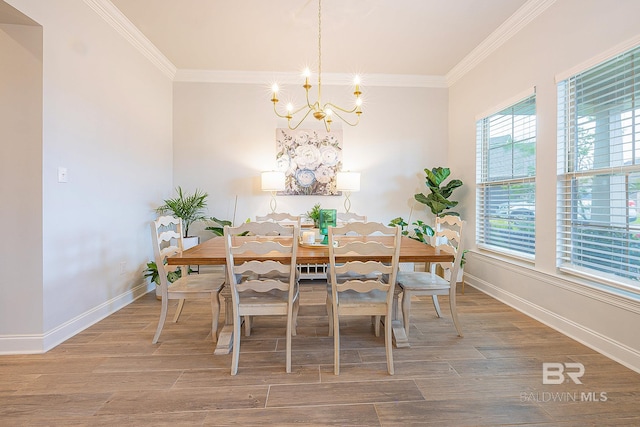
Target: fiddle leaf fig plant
column 438, row 200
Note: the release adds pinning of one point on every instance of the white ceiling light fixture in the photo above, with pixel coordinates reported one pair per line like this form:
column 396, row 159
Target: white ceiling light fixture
column 324, row 112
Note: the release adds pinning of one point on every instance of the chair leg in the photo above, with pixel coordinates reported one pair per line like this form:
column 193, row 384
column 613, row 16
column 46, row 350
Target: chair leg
column 215, row 314
column 330, row 314
column 376, row 325
column 178, row 311
column 296, row 309
column 436, row 305
column 289, row 333
column 236, row 344
column 406, row 310
column 247, row 326
column 454, row 312
column 388, row 343
column 163, row 318
column 336, row 342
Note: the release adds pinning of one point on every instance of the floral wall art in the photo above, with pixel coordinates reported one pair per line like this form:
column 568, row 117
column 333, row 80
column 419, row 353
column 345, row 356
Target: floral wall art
column 310, row 160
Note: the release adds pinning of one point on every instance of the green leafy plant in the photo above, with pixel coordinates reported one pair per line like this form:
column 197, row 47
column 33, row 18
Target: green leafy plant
column 463, row 261
column 438, row 200
column 421, row 231
column 152, row 272
column 218, row 227
column 314, row 215
column 188, row 207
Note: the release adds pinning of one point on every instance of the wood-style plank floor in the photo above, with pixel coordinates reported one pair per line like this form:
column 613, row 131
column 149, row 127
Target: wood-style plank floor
column 111, row 374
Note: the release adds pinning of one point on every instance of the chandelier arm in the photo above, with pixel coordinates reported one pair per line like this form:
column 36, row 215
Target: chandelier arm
column 347, row 121
column 275, row 110
column 334, row 107
column 300, row 122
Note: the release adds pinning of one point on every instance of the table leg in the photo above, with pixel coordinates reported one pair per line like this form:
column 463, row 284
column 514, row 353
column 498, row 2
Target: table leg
column 397, row 325
column 225, row 338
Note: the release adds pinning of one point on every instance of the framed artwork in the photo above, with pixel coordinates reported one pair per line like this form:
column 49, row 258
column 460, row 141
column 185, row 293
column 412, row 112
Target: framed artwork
column 310, row 160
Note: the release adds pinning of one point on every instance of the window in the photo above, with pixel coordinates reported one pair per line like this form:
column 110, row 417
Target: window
column 506, row 170
column 599, row 170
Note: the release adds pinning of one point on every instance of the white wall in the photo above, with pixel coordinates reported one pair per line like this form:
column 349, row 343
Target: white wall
column 107, row 118
column 21, row 177
column 564, row 36
column 224, row 136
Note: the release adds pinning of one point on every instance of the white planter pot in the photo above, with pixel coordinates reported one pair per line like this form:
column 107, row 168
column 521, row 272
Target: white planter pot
column 189, row 242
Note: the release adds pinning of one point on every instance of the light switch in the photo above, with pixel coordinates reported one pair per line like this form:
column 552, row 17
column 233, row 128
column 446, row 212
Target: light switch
column 62, row 175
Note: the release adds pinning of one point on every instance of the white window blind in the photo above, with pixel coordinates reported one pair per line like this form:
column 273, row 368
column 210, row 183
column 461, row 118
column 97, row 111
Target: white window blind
column 599, row 170
column 505, row 182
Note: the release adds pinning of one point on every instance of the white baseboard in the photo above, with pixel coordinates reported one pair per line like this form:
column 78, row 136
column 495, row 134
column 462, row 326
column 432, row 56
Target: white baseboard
column 41, row 343
column 614, row 350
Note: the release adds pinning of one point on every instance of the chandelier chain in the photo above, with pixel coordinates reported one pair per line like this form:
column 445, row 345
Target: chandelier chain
column 319, row 42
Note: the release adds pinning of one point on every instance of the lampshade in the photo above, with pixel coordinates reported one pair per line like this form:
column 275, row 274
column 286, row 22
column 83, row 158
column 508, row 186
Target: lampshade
column 273, row 181
column 348, row 181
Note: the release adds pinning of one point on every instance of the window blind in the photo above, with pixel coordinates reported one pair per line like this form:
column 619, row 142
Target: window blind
column 599, row 170
column 505, row 182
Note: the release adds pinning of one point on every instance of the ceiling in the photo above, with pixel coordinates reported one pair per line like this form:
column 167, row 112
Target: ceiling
column 397, row 37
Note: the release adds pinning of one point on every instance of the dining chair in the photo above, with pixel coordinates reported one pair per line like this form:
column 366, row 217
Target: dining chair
column 262, row 287
column 344, row 217
column 363, row 286
column 166, row 233
column 448, row 238
column 282, row 218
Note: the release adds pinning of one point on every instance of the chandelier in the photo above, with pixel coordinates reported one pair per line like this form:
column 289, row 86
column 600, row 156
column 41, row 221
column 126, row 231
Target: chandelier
column 324, row 112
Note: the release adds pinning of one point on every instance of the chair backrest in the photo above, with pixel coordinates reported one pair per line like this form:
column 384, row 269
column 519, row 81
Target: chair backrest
column 281, row 218
column 166, row 233
column 348, row 258
column 344, row 217
column 448, row 238
column 261, row 275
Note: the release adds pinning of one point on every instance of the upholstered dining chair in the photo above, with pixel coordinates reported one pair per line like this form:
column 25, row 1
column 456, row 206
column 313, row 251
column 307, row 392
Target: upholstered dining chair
column 262, row 287
column 448, row 238
column 166, row 233
column 360, row 287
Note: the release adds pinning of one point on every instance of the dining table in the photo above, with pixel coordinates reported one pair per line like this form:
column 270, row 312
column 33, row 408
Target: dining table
column 213, row 252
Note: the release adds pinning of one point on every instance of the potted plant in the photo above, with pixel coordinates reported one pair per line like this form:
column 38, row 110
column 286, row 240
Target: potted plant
column 217, row 228
column 438, row 200
column 314, row 215
column 421, row 230
column 188, row 207
column 152, row 273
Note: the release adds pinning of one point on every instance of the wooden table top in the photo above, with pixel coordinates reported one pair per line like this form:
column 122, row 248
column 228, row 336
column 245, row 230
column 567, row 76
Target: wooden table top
column 213, row 252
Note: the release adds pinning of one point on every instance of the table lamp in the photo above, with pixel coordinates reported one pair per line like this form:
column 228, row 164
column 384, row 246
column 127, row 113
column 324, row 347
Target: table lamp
column 348, row 182
column 273, row 181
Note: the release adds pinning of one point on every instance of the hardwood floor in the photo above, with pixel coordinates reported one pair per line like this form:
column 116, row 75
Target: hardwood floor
column 111, row 374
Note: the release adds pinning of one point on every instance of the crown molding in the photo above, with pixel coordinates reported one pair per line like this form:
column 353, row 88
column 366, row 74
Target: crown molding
column 527, row 13
column 114, row 17
column 132, row 34
column 337, row 79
